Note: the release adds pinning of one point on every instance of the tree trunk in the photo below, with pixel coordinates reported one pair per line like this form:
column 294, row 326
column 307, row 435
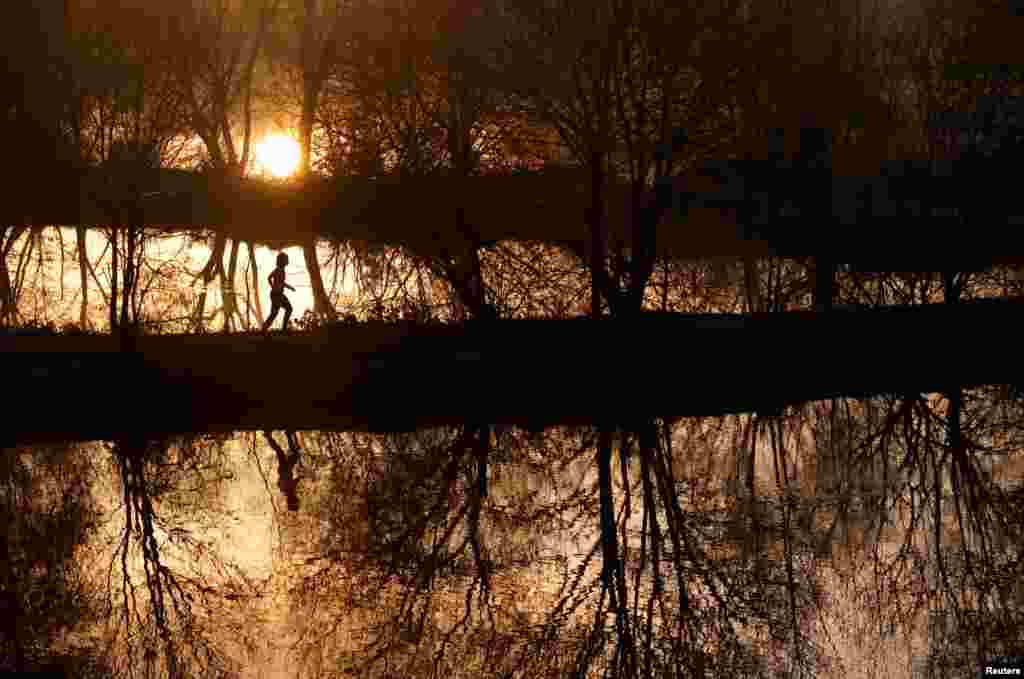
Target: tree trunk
column 321, row 302
column 83, row 267
column 129, row 282
column 598, row 244
column 955, row 398
column 7, row 302
column 312, row 81
column 6, row 294
column 227, row 286
column 114, row 263
column 255, row 282
column 752, row 284
column 213, row 266
column 822, row 274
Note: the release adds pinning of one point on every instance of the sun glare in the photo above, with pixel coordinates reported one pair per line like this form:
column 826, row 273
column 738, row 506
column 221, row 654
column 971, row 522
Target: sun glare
column 278, row 155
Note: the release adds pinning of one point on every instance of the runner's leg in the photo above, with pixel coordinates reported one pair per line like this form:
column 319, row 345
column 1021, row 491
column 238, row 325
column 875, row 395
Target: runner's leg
column 287, row 311
column 275, row 306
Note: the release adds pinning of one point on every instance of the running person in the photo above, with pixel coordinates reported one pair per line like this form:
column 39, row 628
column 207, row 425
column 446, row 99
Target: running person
column 277, row 298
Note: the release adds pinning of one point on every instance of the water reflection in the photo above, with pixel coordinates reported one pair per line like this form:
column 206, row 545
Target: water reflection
column 52, row 291
column 836, row 533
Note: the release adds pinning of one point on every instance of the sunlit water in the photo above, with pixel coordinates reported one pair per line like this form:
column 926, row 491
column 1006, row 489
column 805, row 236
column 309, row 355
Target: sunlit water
column 47, row 299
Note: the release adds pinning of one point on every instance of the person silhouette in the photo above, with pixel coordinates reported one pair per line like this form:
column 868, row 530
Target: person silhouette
column 286, row 481
column 277, row 298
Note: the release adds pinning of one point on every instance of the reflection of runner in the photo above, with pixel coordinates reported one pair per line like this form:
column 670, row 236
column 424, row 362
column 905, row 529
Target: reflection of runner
column 286, row 481
column 277, row 298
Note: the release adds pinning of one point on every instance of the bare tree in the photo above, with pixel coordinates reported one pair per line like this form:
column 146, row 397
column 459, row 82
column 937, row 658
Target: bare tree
column 124, row 114
column 218, row 47
column 306, row 46
column 417, row 97
column 31, row 108
column 640, row 101
column 50, row 514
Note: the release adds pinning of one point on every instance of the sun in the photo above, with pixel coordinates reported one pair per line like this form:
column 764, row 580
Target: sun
column 277, row 154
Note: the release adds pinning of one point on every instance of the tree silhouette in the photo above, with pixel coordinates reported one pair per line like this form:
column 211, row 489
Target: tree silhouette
column 50, row 515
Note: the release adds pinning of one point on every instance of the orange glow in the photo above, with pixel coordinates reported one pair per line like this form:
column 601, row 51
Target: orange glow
column 278, row 155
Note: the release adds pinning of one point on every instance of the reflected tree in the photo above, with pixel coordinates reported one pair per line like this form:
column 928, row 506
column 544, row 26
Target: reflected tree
column 171, row 631
column 672, row 598
column 49, row 514
column 443, row 530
